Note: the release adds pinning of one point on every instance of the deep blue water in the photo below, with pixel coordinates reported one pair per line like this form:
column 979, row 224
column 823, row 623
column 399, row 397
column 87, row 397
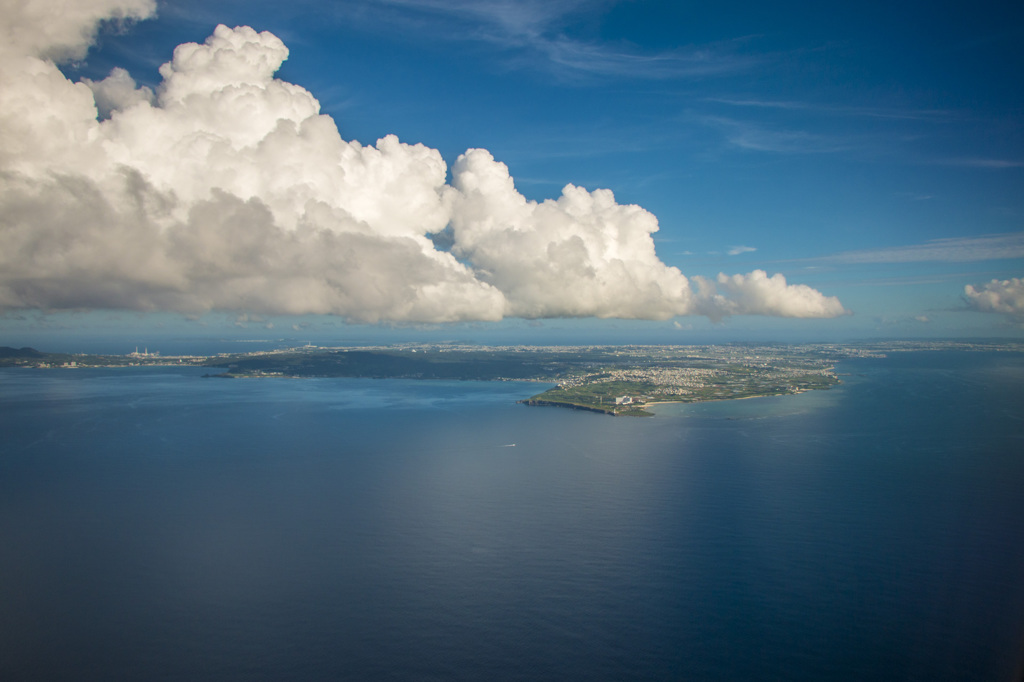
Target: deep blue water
column 157, row 525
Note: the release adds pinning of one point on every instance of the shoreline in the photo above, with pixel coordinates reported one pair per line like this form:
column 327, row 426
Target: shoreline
column 640, row 410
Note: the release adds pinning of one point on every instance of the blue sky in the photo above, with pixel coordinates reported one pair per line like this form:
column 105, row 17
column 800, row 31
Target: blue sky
column 872, row 152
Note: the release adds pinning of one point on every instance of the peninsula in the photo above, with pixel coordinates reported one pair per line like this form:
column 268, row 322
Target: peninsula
column 616, row 380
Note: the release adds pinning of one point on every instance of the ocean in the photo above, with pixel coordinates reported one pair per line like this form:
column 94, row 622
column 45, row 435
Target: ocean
column 158, row 525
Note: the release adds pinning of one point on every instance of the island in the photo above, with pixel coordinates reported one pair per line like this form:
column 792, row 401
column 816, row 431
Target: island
column 615, row 380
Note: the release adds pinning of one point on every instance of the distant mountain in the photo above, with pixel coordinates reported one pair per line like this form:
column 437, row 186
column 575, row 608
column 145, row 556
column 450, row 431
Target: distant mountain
column 8, row 352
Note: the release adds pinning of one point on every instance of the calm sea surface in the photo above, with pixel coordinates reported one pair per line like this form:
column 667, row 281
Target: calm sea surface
column 158, row 525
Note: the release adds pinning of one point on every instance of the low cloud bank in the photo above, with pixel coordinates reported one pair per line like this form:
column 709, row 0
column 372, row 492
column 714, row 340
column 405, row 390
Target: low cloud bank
column 227, row 189
column 998, row 296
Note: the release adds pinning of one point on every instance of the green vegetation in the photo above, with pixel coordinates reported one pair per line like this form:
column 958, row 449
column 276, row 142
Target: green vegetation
column 674, row 382
column 478, row 365
column 598, row 396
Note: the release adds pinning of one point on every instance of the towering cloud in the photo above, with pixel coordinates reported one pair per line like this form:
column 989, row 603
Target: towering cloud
column 582, row 254
column 227, row 189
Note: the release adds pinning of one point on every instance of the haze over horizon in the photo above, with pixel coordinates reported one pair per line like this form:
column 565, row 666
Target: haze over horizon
column 396, row 169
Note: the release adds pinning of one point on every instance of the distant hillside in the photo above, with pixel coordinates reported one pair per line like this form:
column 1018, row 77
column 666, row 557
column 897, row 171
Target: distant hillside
column 8, row 352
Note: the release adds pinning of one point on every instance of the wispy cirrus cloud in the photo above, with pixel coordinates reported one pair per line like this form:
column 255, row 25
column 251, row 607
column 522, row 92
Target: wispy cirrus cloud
column 573, row 56
column 837, row 110
column 795, row 126
column 981, row 162
column 514, row 16
column 756, row 136
column 538, row 34
column 952, row 250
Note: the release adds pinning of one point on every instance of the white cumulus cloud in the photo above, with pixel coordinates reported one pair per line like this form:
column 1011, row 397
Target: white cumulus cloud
column 117, row 91
column 227, row 189
column 998, row 296
column 758, row 294
column 62, row 29
column 579, row 255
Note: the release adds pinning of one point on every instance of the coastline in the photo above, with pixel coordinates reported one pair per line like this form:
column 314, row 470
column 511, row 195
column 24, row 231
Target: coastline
column 639, row 409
